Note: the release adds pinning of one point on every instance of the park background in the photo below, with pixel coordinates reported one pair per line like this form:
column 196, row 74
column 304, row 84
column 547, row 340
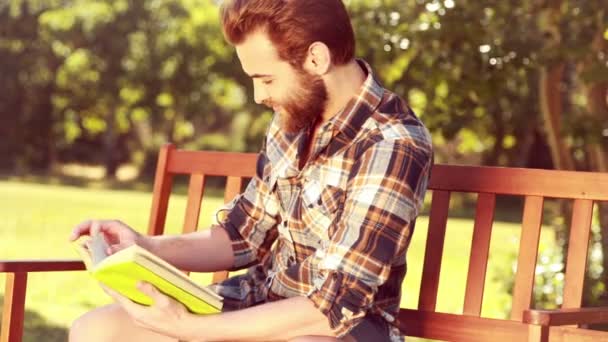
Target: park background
column 90, row 90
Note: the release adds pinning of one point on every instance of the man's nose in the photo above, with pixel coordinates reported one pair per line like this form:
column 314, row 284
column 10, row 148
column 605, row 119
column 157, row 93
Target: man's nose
column 259, row 94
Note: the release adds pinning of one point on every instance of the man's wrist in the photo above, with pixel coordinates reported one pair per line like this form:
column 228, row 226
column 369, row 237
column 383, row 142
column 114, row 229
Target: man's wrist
column 190, row 328
column 147, row 242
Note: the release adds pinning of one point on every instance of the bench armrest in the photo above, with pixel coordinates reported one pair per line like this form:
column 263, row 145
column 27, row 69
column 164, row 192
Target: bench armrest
column 26, row 266
column 566, row 316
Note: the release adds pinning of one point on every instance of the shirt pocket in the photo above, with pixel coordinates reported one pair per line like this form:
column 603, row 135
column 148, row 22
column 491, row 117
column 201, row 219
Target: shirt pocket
column 321, row 205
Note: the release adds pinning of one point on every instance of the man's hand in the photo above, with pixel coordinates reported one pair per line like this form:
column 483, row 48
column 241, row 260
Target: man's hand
column 165, row 316
column 117, row 234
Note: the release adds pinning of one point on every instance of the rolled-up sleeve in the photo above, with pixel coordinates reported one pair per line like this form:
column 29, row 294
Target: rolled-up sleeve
column 384, row 194
column 251, row 218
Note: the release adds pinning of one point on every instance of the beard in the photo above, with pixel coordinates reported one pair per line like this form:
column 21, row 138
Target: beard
column 305, row 104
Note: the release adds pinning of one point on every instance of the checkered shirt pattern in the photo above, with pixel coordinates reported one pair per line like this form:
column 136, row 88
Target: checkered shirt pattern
column 337, row 230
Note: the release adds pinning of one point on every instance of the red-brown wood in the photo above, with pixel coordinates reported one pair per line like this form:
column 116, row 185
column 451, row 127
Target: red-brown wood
column 213, row 163
column 14, row 307
column 528, row 251
column 162, row 191
column 454, row 327
column 538, row 333
column 573, row 334
column 480, row 248
column 193, row 207
column 566, row 316
column 434, row 250
column 578, row 248
column 51, row 265
column 523, row 182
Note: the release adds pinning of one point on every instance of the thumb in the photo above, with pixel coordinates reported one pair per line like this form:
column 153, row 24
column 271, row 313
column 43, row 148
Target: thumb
column 116, row 248
column 150, row 290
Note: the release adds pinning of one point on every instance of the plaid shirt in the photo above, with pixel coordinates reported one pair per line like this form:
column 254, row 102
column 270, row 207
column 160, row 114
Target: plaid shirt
column 337, row 230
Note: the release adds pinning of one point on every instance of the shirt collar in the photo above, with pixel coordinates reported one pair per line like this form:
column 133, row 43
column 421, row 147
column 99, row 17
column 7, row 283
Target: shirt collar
column 345, row 125
column 334, row 134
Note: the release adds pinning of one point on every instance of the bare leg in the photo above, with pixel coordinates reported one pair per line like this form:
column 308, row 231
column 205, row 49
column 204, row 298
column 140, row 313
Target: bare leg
column 111, row 324
column 322, row 339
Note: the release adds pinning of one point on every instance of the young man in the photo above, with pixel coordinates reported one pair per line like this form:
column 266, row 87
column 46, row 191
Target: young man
column 324, row 225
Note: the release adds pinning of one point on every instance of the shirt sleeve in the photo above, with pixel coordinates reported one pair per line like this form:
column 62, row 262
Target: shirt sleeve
column 384, row 194
column 250, row 219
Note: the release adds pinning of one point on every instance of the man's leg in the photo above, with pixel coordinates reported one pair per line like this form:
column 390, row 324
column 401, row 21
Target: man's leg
column 372, row 328
column 321, row 339
column 111, row 324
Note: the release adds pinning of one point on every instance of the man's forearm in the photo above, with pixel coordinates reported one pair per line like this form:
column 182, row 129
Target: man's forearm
column 276, row 321
column 205, row 251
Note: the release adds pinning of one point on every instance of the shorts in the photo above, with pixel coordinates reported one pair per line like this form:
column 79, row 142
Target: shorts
column 373, row 328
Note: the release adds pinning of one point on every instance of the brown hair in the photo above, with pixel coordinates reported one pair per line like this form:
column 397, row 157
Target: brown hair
column 292, row 25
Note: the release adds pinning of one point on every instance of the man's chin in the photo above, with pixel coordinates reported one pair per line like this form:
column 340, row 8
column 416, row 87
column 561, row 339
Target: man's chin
column 287, row 124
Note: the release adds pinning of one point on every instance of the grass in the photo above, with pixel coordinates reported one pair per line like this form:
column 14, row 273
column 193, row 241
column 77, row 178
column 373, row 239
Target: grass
column 35, row 220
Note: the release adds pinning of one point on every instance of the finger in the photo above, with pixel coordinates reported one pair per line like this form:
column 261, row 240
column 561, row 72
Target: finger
column 81, row 229
column 115, row 248
column 125, row 302
column 94, row 230
column 111, row 226
column 113, row 230
column 134, row 310
column 151, row 291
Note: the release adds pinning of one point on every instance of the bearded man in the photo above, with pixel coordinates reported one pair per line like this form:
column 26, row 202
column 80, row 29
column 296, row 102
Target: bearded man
column 324, row 226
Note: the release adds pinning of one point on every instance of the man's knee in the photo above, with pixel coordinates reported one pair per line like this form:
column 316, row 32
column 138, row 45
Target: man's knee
column 101, row 324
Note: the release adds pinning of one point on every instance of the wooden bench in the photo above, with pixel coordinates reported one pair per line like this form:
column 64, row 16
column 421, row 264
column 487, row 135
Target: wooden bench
column 488, row 182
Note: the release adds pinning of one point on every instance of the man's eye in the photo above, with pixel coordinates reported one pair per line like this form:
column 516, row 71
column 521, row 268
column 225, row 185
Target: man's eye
column 267, row 82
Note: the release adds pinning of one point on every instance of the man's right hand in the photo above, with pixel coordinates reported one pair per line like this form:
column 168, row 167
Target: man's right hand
column 117, row 234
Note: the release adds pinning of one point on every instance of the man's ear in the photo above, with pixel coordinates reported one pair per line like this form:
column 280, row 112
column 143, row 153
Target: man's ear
column 318, row 59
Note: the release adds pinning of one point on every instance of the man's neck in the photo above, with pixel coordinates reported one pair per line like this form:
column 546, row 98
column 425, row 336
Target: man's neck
column 342, row 84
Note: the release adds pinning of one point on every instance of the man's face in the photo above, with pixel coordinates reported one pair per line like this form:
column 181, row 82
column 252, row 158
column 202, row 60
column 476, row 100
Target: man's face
column 298, row 96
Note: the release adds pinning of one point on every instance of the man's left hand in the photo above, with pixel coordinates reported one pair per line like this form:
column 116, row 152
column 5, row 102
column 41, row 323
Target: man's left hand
column 165, row 316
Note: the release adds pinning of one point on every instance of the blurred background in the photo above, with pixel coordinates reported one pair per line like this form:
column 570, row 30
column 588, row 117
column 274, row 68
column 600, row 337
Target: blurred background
column 90, row 89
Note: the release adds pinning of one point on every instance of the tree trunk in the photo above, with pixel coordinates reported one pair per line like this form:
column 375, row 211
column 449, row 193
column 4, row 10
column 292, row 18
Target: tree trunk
column 110, row 147
column 551, row 106
column 598, row 106
column 552, row 109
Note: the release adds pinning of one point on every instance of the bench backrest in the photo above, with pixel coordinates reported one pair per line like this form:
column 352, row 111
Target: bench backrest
column 488, row 182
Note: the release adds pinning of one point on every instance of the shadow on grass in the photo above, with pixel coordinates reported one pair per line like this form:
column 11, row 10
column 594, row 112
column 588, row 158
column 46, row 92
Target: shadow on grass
column 215, row 185
column 144, row 185
column 37, row 328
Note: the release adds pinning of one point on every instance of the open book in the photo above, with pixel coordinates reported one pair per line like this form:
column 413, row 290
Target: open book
column 122, row 271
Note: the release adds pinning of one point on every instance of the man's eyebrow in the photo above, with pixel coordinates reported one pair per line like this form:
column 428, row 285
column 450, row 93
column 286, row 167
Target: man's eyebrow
column 259, row 75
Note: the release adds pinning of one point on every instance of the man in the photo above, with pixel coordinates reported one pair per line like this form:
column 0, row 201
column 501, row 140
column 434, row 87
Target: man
column 323, row 226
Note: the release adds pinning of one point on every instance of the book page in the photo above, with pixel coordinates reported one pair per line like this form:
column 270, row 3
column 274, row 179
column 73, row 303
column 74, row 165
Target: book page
column 97, row 247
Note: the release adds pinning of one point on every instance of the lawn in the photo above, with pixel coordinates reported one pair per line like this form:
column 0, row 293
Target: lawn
column 36, row 220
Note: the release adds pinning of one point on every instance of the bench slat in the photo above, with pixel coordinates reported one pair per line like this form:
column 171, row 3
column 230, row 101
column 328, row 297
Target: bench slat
column 13, row 313
column 577, row 253
column 521, row 182
column 195, row 197
column 528, row 252
column 454, row 327
column 163, row 181
column 49, row 265
column 213, row 163
column 434, row 250
column 480, row 247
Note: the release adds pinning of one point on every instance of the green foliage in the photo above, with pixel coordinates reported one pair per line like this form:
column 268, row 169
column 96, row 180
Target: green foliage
column 115, row 71
column 158, row 71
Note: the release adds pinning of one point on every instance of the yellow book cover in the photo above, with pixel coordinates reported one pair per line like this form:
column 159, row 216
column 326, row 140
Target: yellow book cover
column 122, row 271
